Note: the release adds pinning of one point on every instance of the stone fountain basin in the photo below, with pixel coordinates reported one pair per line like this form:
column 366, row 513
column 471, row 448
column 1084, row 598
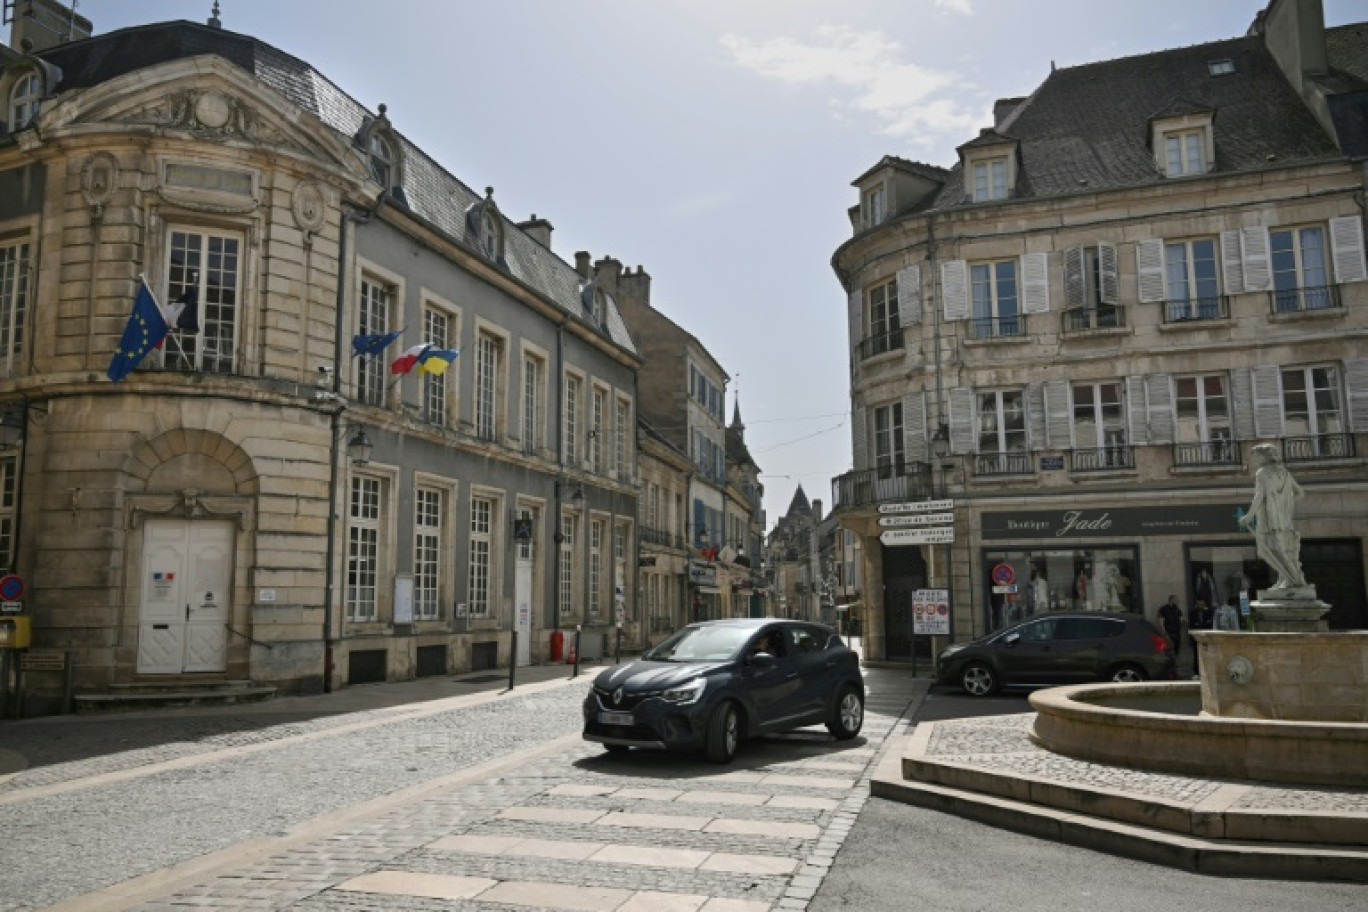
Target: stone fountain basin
column 1160, row 727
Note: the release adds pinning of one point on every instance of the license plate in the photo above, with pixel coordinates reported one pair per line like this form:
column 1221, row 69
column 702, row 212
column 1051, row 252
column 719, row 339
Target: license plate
column 608, row 718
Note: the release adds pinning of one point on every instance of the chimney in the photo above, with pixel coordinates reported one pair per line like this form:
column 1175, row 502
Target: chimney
column 1003, row 109
column 42, row 24
column 538, row 229
column 635, row 287
column 582, row 264
column 1294, row 33
column 606, row 272
column 816, row 511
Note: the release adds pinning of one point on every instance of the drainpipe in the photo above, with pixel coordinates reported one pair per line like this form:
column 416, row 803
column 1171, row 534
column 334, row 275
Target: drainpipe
column 553, row 618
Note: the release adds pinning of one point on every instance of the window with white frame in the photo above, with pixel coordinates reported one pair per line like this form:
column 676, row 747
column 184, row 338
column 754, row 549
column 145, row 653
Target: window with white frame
column 1090, row 288
column 876, row 206
column 653, row 506
column 571, row 419
column 480, row 555
column 1204, row 432
column 1301, row 280
column 1311, row 401
column 567, row 565
column 1099, row 426
column 598, row 404
column 376, row 301
column 620, row 536
column 14, row 295
column 363, row 547
column 622, row 431
column 206, row 265
column 488, row 358
column 595, row 566
column 1185, row 152
column 995, row 300
column 23, row 101
column 1002, row 421
column 8, row 488
column 885, row 329
column 427, row 552
column 436, row 332
column 534, row 372
column 990, row 179
column 890, row 457
column 1191, row 289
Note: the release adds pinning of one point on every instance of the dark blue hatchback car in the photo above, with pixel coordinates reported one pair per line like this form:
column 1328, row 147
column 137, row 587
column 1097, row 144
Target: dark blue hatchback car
column 711, row 685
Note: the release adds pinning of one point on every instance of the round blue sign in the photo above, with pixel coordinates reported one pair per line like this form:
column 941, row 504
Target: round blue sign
column 11, row 588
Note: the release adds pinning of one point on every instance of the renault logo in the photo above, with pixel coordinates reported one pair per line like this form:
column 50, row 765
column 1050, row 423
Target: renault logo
column 617, row 696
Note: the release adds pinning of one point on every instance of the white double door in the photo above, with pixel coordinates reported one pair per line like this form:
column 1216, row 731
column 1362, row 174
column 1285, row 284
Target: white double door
column 187, row 577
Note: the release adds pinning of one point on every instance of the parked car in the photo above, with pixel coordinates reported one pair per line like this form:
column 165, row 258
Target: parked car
column 1060, row 648
column 711, row 685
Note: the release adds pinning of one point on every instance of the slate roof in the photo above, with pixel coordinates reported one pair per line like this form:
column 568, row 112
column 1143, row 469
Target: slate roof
column 930, row 172
column 1091, row 122
column 430, row 191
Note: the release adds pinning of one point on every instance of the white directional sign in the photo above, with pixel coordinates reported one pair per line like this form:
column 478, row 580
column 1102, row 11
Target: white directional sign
column 932, row 535
column 923, row 506
column 918, row 519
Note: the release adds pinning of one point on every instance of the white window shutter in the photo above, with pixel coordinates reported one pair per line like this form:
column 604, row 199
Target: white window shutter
column 1149, row 265
column 1159, row 407
column 1346, row 249
column 1356, row 381
column 859, row 443
column 955, row 288
column 1258, row 270
column 1136, row 408
column 1268, row 416
column 1111, row 284
column 1232, row 263
column 909, row 296
column 855, row 314
column 1242, row 403
column 1035, row 416
column 914, row 427
column 1035, row 283
column 962, row 438
column 1074, row 287
column 1059, row 428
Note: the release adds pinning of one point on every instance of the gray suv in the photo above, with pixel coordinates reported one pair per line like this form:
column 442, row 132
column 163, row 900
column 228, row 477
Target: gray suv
column 1067, row 647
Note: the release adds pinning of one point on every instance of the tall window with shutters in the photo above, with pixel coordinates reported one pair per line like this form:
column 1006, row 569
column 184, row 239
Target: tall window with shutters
column 885, row 328
column 1204, row 434
column 1191, row 289
column 1099, row 427
column 1313, row 415
column 1301, row 278
column 890, row 457
column 14, row 303
column 995, row 299
column 1001, row 432
column 1091, row 289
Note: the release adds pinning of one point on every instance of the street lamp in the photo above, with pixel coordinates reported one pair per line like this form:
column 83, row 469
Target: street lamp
column 359, row 448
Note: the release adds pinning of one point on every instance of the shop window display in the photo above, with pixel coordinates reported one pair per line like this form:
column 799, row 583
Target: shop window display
column 1221, row 572
column 1060, row 579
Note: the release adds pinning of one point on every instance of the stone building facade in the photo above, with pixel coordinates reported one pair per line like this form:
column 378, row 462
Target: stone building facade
column 214, row 515
column 664, row 561
column 1077, row 333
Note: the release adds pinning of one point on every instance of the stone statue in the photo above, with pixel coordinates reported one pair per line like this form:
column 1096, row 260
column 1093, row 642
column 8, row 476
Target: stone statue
column 1270, row 517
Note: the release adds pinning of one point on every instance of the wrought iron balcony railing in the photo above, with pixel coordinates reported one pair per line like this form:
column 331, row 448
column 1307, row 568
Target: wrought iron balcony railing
column 1213, row 452
column 880, row 343
column 1103, row 459
column 997, row 327
column 1318, row 447
column 1103, row 316
column 1195, row 310
column 1300, row 300
column 1013, row 463
column 865, row 487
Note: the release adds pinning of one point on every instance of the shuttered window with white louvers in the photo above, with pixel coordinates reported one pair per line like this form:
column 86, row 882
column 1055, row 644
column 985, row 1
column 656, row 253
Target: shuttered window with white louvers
column 909, row 295
column 1267, row 401
column 1346, row 248
column 955, row 289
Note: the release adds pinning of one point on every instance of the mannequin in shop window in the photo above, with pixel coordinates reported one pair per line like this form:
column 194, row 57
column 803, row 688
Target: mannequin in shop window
column 1204, row 587
column 1040, row 592
column 1114, row 590
column 1081, row 589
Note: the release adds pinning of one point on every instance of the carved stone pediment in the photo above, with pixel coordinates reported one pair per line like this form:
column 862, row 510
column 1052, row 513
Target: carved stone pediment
column 211, row 115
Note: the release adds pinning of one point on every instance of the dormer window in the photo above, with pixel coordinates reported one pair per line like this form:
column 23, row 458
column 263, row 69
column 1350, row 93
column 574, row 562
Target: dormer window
column 489, row 235
column 484, row 228
column 1181, row 139
column 990, row 179
column 382, row 160
column 1222, row 67
column 24, row 98
column 875, row 206
column 384, row 155
column 600, row 308
column 1184, row 153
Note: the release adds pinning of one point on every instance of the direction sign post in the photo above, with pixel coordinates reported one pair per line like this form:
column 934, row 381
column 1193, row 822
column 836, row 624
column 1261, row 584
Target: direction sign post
column 931, row 535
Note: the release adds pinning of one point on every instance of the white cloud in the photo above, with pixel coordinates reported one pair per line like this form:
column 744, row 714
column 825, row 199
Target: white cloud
column 956, row 6
column 870, row 74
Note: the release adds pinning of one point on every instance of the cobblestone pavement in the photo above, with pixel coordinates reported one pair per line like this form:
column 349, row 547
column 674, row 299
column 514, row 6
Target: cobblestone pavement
column 489, row 802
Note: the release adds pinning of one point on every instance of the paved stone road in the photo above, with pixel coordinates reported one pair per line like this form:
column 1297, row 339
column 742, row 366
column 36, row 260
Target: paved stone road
column 478, row 802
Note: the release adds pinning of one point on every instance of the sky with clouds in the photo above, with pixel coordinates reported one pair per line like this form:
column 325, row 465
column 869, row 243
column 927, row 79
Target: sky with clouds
column 711, row 142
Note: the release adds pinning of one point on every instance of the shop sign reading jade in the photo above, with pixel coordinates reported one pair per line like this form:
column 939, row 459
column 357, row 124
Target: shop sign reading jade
column 1113, row 522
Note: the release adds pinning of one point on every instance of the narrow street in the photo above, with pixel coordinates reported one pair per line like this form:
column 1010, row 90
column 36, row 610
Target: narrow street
column 491, row 799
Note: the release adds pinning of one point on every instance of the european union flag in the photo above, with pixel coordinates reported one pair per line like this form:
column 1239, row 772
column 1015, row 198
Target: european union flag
column 374, row 344
column 145, row 330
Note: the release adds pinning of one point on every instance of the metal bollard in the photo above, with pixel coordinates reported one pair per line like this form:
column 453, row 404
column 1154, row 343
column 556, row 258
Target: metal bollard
column 617, row 650
column 512, row 658
column 577, row 651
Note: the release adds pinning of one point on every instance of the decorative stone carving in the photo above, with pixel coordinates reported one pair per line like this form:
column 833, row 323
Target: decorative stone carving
column 307, row 204
column 211, row 115
column 99, row 180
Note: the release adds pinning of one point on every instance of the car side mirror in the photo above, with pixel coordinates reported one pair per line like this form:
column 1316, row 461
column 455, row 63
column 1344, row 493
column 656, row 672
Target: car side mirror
column 1012, row 639
column 762, row 660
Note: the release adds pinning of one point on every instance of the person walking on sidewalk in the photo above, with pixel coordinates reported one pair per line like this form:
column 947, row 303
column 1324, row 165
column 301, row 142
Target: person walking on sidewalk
column 1171, row 617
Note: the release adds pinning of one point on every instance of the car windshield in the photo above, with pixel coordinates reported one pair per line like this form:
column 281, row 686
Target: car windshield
column 700, row 644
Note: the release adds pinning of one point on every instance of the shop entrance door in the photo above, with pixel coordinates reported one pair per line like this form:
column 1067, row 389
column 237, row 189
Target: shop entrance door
column 186, row 593
column 904, row 572
column 1336, row 568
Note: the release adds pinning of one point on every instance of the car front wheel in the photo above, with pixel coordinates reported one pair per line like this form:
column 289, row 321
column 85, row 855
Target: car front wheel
column 724, row 733
column 1128, row 674
column 978, row 680
column 847, row 714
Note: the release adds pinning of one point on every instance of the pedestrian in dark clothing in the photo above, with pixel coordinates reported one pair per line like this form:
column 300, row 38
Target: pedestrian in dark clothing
column 1199, row 618
column 1171, row 617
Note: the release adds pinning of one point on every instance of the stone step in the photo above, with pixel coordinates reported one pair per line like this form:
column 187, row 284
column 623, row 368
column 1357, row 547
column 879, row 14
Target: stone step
column 138, row 697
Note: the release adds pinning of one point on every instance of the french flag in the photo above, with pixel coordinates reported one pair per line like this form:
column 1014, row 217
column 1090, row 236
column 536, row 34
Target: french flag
column 182, row 315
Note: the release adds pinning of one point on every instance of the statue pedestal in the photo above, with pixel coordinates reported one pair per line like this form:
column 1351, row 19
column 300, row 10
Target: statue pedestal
column 1291, row 610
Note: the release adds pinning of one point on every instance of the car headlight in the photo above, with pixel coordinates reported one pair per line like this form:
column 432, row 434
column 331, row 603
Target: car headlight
column 688, row 692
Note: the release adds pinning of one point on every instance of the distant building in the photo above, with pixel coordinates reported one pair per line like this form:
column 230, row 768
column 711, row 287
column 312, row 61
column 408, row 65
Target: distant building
column 793, row 559
column 665, row 554
column 1077, row 333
